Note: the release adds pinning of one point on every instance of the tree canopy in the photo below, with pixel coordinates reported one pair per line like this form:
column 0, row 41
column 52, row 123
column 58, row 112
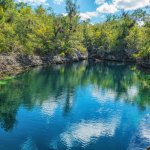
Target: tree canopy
column 40, row 31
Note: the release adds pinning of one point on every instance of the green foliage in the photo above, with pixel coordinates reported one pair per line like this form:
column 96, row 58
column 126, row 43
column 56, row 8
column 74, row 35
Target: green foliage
column 40, row 31
column 121, row 36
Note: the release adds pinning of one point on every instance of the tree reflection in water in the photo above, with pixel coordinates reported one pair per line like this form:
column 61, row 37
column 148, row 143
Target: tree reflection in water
column 37, row 86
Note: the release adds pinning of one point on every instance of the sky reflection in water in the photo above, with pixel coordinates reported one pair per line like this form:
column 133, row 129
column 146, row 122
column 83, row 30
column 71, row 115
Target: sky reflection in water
column 79, row 106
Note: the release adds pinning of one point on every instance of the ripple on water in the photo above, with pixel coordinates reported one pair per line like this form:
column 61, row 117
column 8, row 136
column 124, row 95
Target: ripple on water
column 141, row 140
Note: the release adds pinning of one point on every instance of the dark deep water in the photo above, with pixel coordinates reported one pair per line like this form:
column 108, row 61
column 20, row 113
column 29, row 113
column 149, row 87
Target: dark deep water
column 93, row 106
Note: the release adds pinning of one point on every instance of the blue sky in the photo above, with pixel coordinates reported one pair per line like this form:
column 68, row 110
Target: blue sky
column 95, row 10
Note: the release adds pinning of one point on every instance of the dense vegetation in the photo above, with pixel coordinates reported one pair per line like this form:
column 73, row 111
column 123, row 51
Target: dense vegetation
column 40, row 31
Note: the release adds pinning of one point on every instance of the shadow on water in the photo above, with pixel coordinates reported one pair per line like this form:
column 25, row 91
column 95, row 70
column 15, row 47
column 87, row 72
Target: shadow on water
column 38, row 85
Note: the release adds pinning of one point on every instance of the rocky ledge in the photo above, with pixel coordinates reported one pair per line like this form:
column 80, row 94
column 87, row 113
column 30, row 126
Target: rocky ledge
column 142, row 62
column 14, row 63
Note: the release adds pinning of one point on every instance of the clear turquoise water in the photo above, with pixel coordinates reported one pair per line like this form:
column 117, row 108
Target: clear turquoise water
column 92, row 106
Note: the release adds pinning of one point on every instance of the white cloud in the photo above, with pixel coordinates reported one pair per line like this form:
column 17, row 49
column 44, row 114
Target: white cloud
column 130, row 4
column 116, row 5
column 64, row 14
column 107, row 8
column 103, row 97
column 99, row 2
column 88, row 15
column 48, row 108
column 29, row 145
column 34, row 2
column 142, row 135
column 140, row 23
column 84, row 132
column 58, row 2
column 132, row 92
column 103, row 6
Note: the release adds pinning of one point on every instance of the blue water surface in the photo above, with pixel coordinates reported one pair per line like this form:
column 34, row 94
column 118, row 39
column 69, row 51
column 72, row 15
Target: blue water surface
column 86, row 105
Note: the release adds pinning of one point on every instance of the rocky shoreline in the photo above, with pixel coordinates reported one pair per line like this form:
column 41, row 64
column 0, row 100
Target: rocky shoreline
column 143, row 62
column 15, row 63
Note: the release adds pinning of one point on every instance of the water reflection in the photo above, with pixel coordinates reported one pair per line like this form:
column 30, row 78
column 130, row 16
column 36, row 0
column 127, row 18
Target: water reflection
column 29, row 145
column 141, row 139
column 87, row 131
column 48, row 108
column 87, row 103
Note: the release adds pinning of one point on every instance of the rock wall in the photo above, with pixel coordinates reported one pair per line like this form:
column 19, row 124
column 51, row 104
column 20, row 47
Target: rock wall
column 14, row 63
column 143, row 62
